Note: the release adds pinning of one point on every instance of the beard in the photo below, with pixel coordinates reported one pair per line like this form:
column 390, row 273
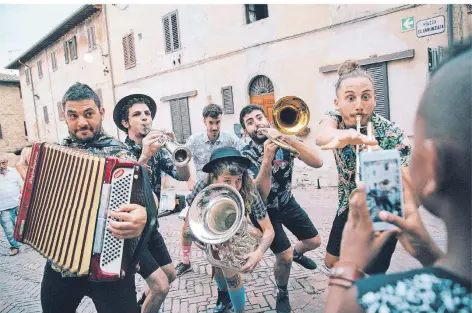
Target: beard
column 258, row 139
column 97, row 132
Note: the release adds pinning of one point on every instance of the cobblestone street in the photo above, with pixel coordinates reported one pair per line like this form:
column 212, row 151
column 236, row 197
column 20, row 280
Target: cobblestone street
column 195, row 292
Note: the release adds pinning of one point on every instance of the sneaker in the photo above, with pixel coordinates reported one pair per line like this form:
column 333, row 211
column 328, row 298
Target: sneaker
column 183, row 268
column 282, row 304
column 14, row 251
column 305, row 262
column 223, row 304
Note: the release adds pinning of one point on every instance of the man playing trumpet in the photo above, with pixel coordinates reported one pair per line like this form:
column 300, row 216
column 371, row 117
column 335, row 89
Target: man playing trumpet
column 355, row 100
column 272, row 169
column 227, row 166
column 134, row 114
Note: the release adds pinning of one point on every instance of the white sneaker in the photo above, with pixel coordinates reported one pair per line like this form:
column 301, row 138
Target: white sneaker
column 183, row 213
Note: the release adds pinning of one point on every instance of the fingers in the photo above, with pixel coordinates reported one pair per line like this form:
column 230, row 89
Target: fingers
column 393, row 219
column 333, row 144
column 357, row 202
column 128, row 208
column 368, row 141
column 382, row 238
column 122, row 230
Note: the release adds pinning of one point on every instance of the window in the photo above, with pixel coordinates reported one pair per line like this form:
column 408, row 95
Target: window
column 1, row 133
column 129, row 51
column 26, row 129
column 171, row 31
column 53, row 61
column 92, row 44
column 60, row 110
column 180, row 119
column 40, row 69
column 66, row 52
column 28, row 76
column 70, row 49
column 228, row 105
column 46, row 115
column 256, row 12
column 378, row 72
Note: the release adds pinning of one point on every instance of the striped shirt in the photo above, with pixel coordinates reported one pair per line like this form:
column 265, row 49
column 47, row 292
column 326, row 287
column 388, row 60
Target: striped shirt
column 10, row 189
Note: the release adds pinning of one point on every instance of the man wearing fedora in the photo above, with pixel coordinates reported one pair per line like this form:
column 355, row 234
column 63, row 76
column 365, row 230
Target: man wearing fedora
column 133, row 114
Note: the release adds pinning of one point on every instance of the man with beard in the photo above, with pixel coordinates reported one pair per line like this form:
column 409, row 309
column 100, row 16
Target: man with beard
column 272, row 169
column 355, row 96
column 134, row 114
column 202, row 145
column 61, row 290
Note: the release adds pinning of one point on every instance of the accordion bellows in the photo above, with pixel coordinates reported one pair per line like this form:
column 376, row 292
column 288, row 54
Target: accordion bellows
column 63, row 210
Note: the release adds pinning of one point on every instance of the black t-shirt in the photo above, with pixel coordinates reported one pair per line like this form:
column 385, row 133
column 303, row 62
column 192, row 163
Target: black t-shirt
column 425, row 290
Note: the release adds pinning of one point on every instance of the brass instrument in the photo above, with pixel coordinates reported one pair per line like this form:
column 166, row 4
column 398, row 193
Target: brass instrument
column 217, row 219
column 369, row 148
column 291, row 116
column 181, row 155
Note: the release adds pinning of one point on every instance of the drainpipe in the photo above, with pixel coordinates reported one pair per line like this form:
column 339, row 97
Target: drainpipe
column 34, row 100
column 110, row 63
column 450, row 25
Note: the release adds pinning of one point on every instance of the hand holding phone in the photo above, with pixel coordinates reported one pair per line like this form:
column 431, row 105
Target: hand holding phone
column 381, row 174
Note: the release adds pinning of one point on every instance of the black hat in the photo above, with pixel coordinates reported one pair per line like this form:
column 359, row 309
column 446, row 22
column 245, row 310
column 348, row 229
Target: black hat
column 225, row 153
column 117, row 110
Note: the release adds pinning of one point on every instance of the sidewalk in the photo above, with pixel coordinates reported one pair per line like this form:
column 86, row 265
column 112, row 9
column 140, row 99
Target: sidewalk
column 21, row 275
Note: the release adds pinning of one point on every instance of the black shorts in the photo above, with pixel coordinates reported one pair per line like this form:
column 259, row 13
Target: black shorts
column 379, row 265
column 295, row 219
column 154, row 256
column 63, row 295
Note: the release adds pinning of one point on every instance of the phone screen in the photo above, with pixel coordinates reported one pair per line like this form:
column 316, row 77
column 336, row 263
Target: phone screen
column 382, row 180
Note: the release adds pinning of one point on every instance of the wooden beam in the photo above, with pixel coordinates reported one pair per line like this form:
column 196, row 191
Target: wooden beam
column 407, row 54
column 180, row 95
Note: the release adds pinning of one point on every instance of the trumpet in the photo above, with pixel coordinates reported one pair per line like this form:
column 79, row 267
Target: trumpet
column 217, row 219
column 369, row 148
column 180, row 155
column 291, row 116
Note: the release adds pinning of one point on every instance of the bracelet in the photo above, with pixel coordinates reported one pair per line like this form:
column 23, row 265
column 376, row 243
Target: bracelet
column 346, row 271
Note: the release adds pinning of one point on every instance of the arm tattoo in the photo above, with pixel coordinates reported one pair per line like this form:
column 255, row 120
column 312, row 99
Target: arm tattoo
column 233, row 282
column 265, row 243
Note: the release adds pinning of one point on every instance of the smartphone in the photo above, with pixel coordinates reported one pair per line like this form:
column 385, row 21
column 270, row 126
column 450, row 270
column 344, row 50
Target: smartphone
column 381, row 174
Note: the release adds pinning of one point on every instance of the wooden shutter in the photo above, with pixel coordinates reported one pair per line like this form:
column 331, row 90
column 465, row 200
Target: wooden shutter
column 46, row 115
column 378, row 72
column 132, row 52
column 27, row 74
column 175, row 31
column 185, row 119
column 129, row 52
column 228, row 104
column 60, row 111
column 73, row 43
column 91, row 37
column 176, row 120
column 40, row 69
column 66, row 52
column 167, row 33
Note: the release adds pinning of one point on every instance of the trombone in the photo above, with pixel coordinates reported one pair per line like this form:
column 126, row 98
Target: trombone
column 369, row 148
column 291, row 116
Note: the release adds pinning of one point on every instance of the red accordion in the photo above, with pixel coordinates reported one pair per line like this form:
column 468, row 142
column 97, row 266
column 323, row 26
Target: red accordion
column 63, row 210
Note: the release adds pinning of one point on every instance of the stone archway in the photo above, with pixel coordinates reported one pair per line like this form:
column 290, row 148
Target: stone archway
column 261, row 92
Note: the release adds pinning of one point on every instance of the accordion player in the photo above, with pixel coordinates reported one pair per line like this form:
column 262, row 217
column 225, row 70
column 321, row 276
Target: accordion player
column 63, row 210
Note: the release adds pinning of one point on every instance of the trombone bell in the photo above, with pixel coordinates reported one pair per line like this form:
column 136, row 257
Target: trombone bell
column 291, row 115
column 180, row 155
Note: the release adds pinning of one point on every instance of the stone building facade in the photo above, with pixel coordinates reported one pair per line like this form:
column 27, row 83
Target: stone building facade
column 12, row 115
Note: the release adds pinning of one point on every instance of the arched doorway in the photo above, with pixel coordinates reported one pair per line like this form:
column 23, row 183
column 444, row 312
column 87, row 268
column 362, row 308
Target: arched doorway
column 261, row 91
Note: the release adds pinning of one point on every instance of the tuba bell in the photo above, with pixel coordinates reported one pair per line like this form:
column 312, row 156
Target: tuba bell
column 180, row 155
column 217, row 219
